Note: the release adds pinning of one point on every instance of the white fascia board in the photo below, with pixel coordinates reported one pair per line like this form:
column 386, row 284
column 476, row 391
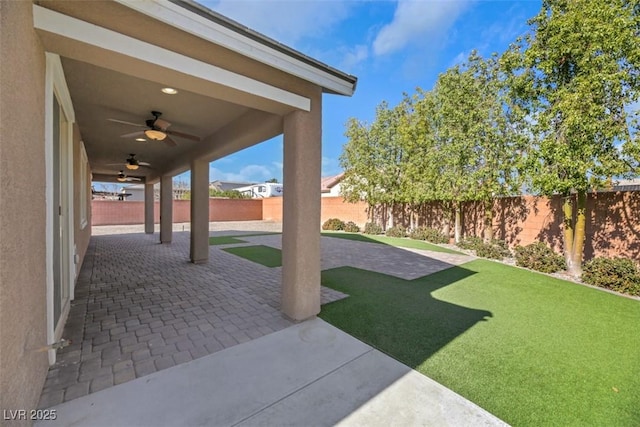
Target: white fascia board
column 189, row 22
column 81, row 31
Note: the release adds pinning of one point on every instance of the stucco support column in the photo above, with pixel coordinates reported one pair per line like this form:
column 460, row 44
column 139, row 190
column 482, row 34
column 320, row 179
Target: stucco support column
column 166, row 209
column 301, row 212
column 148, row 208
column 199, row 211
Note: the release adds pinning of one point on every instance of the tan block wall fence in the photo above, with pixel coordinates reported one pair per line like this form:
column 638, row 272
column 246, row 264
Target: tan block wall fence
column 111, row 212
column 613, row 228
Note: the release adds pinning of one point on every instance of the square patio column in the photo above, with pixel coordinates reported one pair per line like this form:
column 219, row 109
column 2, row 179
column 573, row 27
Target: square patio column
column 199, row 211
column 166, row 209
column 301, row 211
column 148, row 208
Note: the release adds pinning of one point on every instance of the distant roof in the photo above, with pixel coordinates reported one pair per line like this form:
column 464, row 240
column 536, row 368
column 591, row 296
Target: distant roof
column 328, row 182
column 626, row 185
column 217, row 181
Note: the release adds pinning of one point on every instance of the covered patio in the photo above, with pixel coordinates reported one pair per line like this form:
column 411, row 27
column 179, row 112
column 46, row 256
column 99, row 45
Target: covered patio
column 142, row 307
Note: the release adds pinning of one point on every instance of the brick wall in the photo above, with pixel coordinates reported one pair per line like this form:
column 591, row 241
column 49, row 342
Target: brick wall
column 111, row 212
column 332, row 207
column 613, row 228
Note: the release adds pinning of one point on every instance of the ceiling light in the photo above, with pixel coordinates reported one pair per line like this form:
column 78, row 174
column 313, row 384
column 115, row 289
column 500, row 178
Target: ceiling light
column 141, row 139
column 132, row 166
column 156, row 135
column 169, row 90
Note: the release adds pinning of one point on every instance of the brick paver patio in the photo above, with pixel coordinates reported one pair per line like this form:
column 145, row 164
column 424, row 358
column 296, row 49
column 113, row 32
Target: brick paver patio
column 141, row 307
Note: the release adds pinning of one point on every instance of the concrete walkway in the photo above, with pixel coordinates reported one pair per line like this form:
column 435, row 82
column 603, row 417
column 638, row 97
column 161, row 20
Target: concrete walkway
column 309, row 374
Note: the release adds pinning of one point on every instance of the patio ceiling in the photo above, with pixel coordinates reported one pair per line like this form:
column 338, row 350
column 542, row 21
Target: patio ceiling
column 117, row 56
column 100, row 94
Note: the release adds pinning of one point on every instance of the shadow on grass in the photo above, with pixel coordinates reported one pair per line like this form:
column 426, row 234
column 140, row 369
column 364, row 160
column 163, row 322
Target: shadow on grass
column 399, row 317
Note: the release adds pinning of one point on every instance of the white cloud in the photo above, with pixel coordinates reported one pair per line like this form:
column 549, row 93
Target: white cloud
column 417, row 22
column 353, row 57
column 249, row 173
column 459, row 59
column 287, row 21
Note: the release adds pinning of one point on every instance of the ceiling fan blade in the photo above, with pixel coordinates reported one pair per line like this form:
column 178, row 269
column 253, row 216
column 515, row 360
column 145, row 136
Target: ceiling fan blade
column 126, row 123
column 133, row 134
column 132, row 178
column 170, row 142
column 183, row 135
column 161, row 124
column 144, row 164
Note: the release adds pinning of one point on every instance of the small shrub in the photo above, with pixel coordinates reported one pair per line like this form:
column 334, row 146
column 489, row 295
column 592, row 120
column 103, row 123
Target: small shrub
column 429, row 234
column 372, row 228
column 351, row 227
column 397, row 231
column 333, row 224
column 617, row 274
column 470, row 243
column 496, row 249
column 538, row 256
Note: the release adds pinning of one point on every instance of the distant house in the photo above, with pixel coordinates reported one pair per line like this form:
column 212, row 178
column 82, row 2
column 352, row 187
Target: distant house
column 626, row 185
column 258, row 191
column 330, row 185
column 135, row 191
column 228, row 185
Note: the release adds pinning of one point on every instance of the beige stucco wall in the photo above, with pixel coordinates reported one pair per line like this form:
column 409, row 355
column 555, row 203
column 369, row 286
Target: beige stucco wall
column 81, row 235
column 22, row 209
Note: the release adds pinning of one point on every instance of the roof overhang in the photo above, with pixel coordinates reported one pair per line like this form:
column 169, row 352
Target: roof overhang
column 208, row 25
column 235, row 85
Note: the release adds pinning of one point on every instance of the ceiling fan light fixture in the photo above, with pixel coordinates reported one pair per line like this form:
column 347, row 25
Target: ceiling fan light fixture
column 156, row 135
column 132, row 166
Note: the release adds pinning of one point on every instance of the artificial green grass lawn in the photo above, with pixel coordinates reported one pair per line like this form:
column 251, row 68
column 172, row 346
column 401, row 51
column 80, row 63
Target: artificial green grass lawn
column 231, row 239
column 393, row 241
column 265, row 255
column 529, row 348
column 224, row 240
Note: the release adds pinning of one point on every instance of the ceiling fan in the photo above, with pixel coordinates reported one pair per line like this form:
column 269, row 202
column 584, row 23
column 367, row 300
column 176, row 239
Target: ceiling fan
column 124, row 178
column 157, row 130
column 131, row 163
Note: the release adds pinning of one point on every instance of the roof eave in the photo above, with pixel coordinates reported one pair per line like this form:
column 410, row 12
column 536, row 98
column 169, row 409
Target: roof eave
column 193, row 18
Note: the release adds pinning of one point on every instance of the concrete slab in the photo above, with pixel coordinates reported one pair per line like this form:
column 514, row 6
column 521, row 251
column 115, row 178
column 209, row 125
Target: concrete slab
column 374, row 390
column 308, row 374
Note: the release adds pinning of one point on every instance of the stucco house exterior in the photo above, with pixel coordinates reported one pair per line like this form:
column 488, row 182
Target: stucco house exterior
column 330, row 185
column 81, row 87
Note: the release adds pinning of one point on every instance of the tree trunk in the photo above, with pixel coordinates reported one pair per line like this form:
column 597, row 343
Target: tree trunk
column 446, row 219
column 574, row 231
column 488, row 220
column 458, row 223
column 579, row 234
column 568, row 232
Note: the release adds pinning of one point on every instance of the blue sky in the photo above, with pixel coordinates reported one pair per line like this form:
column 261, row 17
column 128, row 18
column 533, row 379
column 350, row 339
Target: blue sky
column 391, row 46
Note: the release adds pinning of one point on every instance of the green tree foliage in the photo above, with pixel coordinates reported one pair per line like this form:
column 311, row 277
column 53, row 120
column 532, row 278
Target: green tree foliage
column 374, row 158
column 453, row 144
column 462, row 142
column 229, row 194
column 577, row 76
